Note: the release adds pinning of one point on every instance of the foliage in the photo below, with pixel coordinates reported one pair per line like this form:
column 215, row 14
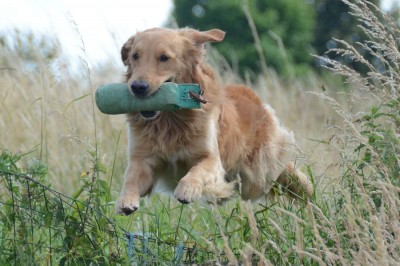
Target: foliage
column 40, row 225
column 335, row 21
column 285, row 28
column 284, row 35
column 370, row 140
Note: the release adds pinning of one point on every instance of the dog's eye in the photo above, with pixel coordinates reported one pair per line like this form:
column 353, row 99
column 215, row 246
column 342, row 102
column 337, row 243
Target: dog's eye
column 164, row 58
column 135, row 56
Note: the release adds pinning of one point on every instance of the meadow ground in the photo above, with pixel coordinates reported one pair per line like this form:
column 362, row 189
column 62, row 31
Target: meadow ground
column 52, row 135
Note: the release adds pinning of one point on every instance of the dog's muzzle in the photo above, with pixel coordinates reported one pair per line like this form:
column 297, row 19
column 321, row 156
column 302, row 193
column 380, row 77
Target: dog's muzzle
column 140, row 88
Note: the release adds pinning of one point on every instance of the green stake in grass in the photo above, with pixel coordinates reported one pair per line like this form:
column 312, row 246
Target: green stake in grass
column 115, row 98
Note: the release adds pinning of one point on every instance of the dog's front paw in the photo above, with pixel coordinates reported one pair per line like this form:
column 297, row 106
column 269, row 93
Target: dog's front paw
column 127, row 204
column 188, row 191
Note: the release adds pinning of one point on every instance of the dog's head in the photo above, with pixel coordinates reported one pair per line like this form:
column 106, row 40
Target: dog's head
column 163, row 55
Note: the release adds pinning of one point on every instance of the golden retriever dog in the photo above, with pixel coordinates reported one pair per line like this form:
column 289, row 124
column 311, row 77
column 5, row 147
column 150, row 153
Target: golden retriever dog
column 199, row 154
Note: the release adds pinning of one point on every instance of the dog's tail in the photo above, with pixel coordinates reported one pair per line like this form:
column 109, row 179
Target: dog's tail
column 295, row 183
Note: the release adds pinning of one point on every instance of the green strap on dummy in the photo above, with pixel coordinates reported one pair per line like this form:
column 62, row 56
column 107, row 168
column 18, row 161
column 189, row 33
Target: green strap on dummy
column 115, row 98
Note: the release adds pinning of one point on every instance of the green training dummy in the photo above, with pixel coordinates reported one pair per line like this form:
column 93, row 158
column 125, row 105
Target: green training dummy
column 116, row 98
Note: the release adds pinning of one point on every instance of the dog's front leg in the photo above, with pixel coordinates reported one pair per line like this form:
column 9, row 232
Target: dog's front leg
column 138, row 182
column 204, row 180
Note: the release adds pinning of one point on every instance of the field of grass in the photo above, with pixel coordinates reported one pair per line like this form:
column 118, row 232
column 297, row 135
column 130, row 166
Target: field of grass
column 62, row 162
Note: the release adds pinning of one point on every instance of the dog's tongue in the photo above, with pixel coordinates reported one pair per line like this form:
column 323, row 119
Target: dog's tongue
column 148, row 114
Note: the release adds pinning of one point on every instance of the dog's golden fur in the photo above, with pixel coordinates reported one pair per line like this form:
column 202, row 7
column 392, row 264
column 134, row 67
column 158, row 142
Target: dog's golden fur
column 198, row 153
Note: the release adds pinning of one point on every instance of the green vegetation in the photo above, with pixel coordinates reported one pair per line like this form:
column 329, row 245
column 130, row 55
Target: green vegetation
column 282, row 30
column 335, row 21
column 43, row 226
column 284, row 34
column 61, row 165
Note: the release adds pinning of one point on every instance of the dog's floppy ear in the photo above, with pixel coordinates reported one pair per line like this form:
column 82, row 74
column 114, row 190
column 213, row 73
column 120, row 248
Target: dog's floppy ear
column 126, row 48
column 201, row 37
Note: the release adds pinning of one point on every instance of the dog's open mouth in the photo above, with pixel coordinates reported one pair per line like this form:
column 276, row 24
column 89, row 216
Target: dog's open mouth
column 149, row 115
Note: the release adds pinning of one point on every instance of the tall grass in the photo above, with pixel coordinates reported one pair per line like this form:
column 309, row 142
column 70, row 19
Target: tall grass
column 348, row 138
column 47, row 108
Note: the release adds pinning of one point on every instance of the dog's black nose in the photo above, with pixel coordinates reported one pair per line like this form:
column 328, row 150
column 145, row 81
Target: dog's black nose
column 139, row 87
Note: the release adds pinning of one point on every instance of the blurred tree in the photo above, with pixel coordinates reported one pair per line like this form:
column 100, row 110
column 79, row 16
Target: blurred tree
column 285, row 28
column 335, row 21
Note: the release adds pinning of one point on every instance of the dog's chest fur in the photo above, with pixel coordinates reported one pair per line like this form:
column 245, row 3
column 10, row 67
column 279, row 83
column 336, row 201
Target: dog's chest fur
column 172, row 136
